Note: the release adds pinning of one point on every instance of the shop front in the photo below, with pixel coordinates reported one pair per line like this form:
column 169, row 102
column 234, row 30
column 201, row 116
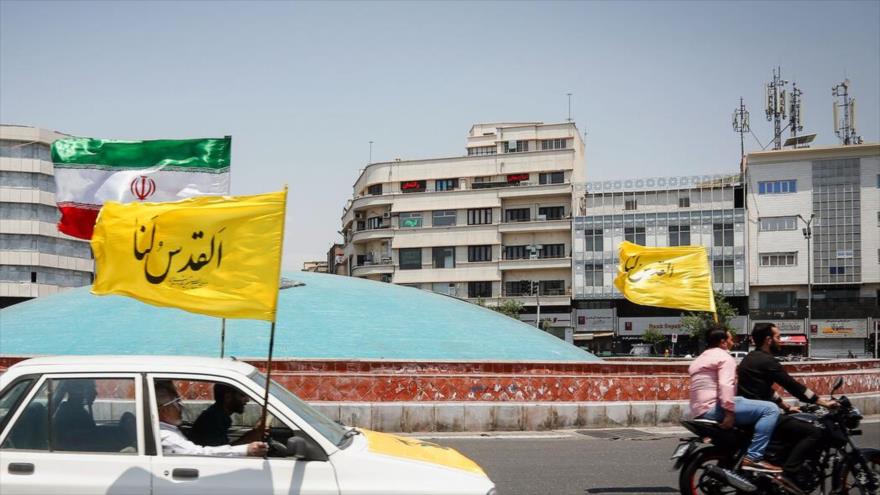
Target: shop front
column 678, row 340
column 794, row 335
column 839, row 338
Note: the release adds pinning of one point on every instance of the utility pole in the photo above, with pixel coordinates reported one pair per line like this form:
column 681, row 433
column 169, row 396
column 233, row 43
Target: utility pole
column 371, row 153
column 808, row 234
column 569, row 106
column 536, row 289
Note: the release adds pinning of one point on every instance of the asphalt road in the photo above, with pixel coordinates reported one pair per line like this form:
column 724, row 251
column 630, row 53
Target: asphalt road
column 567, row 462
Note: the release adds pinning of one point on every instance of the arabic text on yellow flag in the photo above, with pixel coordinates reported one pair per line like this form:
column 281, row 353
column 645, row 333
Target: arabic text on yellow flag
column 213, row 255
column 668, row 277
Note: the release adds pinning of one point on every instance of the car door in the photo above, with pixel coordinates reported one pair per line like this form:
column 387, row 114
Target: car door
column 191, row 474
column 77, row 434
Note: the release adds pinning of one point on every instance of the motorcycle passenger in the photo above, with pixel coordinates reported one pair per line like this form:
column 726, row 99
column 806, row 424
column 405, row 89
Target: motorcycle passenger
column 758, row 371
column 712, row 396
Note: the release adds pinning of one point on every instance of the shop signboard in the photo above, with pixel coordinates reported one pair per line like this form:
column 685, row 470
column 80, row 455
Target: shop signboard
column 666, row 325
column 595, row 320
column 786, row 327
column 840, row 329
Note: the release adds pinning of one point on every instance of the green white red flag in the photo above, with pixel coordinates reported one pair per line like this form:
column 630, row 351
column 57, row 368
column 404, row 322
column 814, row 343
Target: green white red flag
column 90, row 171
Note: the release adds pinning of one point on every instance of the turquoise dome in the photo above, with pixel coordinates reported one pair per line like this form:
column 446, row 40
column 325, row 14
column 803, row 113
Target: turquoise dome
column 329, row 317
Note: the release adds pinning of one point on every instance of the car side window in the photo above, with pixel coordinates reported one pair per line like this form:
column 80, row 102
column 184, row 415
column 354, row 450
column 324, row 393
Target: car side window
column 79, row 415
column 10, row 399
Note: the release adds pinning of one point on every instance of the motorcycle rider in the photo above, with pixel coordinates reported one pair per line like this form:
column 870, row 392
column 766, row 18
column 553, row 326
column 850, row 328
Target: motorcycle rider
column 758, row 371
column 713, row 384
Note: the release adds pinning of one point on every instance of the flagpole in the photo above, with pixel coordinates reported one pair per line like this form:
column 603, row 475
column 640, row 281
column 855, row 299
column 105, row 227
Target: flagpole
column 222, row 336
column 274, row 317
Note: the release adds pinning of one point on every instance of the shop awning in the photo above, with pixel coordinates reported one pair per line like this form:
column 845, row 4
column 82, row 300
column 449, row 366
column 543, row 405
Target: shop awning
column 793, row 339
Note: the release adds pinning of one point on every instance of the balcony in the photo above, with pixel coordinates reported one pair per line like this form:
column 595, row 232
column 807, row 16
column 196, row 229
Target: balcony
column 536, row 224
column 532, row 263
column 383, row 231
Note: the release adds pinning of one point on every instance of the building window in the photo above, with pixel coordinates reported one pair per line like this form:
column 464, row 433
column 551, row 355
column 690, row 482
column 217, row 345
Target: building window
column 446, row 184
column 444, row 218
column 410, row 259
column 446, row 288
column 777, row 186
column 374, row 190
column 635, row 235
column 479, row 289
column 778, row 259
column 553, row 251
column 552, row 287
column 551, row 178
column 515, row 253
column 778, row 301
column 411, row 186
column 630, row 204
column 517, row 215
column 33, row 277
column 482, row 150
column 515, row 146
column 374, row 223
column 837, row 270
column 773, row 224
column 723, row 234
column 679, row 235
column 444, row 257
column 554, row 144
column 684, row 202
column 723, row 271
column 479, row 216
column 551, row 212
column 594, row 240
column 479, row 253
column 518, row 288
column 410, row 220
column 593, row 275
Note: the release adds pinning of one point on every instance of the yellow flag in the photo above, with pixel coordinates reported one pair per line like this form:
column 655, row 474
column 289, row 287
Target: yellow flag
column 213, row 255
column 668, row 277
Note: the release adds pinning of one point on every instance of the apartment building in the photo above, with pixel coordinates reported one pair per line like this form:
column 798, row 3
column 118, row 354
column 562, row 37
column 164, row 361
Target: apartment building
column 491, row 225
column 35, row 259
column 839, row 188
column 706, row 210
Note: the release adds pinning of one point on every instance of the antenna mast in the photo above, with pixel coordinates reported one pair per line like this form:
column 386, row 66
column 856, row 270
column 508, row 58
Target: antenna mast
column 845, row 127
column 741, row 125
column 776, row 106
column 795, row 118
column 569, row 106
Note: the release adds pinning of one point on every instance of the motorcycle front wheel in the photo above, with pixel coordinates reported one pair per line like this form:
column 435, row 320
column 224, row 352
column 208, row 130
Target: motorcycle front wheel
column 848, row 481
column 693, row 478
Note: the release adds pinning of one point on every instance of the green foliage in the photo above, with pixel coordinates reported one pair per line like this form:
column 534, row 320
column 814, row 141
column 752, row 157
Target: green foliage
column 654, row 337
column 509, row 307
column 697, row 323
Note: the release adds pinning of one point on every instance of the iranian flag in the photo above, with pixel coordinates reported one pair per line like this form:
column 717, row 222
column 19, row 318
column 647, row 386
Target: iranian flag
column 90, row 171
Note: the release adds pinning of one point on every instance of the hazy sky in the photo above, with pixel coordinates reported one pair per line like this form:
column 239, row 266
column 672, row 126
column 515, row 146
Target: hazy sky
column 303, row 87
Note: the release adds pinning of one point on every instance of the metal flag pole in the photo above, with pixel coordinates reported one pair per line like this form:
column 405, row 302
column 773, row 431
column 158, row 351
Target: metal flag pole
column 263, row 415
column 222, row 336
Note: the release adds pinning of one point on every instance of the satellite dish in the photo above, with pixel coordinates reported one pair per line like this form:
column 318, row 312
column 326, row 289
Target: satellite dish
column 800, row 141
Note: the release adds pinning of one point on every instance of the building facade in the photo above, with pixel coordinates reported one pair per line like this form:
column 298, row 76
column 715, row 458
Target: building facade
column 839, row 187
column 489, row 226
column 35, row 259
column 707, row 210
column 336, row 259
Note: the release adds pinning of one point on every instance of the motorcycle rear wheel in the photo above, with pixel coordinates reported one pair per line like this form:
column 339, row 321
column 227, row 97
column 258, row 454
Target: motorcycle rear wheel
column 693, row 479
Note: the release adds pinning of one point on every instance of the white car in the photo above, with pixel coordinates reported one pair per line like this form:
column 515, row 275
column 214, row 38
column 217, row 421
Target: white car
column 738, row 355
column 90, row 425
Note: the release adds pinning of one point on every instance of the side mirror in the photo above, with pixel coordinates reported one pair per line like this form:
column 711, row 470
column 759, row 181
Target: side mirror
column 300, row 448
column 837, row 384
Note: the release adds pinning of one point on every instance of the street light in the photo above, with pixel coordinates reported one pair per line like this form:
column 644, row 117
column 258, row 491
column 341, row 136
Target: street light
column 808, row 234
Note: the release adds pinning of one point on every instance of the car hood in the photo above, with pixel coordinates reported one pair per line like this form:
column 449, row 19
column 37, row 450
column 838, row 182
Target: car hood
column 419, row 450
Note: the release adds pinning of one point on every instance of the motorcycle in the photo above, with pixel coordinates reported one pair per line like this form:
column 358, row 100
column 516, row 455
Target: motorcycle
column 710, row 462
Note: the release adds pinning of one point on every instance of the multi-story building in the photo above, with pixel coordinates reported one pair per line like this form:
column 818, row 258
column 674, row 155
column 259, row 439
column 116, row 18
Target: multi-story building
column 319, row 266
column 35, row 259
column 489, row 226
column 839, row 187
column 707, row 210
column 336, row 259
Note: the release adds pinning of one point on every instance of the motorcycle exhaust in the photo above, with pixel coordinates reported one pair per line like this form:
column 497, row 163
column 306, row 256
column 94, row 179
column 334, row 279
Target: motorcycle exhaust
column 732, row 479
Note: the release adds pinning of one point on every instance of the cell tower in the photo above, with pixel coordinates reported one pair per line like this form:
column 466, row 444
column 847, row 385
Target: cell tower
column 741, row 125
column 776, row 106
column 845, row 125
column 795, row 117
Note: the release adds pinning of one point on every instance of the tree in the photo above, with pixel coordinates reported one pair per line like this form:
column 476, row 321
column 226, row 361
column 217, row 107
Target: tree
column 696, row 324
column 654, row 337
column 510, row 307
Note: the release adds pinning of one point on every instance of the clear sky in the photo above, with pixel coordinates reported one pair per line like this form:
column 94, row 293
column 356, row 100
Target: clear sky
column 304, row 87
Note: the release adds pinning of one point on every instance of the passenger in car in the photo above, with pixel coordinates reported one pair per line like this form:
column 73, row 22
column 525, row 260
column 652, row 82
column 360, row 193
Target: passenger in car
column 73, row 425
column 173, row 440
column 212, row 426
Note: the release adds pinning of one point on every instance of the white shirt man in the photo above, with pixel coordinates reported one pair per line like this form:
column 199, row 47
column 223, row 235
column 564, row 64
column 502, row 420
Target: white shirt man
column 173, row 441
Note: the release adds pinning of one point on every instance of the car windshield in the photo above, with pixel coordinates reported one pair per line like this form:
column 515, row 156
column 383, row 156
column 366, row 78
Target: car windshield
column 331, row 430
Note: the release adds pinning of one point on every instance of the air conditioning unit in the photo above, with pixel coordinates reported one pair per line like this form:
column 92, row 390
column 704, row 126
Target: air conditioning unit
column 387, row 214
column 359, row 216
column 542, row 217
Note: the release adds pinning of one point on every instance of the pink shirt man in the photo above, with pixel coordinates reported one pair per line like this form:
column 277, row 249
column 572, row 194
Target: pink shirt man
column 713, row 380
